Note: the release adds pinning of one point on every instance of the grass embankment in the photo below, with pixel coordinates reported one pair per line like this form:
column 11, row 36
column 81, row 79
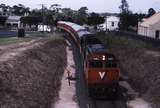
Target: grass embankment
column 140, row 61
column 6, row 41
column 123, row 40
column 28, row 37
column 32, row 78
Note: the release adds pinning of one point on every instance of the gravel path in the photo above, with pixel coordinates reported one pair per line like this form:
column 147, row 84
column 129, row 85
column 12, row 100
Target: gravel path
column 67, row 94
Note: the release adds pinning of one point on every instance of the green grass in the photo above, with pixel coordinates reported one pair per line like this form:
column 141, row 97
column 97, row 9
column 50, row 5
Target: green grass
column 28, row 37
column 124, row 41
column 6, row 41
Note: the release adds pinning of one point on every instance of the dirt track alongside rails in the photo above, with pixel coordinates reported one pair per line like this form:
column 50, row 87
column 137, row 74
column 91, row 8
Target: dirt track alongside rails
column 30, row 73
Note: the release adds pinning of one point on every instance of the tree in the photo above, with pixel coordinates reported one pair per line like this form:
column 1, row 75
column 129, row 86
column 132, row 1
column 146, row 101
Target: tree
column 94, row 19
column 68, row 12
column 151, row 12
column 125, row 15
column 128, row 20
column 36, row 12
column 124, row 7
column 55, row 7
column 3, row 20
column 4, row 8
column 50, row 21
column 83, row 10
column 20, row 10
column 31, row 20
column 81, row 16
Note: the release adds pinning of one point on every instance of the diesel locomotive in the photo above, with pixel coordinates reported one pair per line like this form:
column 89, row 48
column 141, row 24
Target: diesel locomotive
column 100, row 67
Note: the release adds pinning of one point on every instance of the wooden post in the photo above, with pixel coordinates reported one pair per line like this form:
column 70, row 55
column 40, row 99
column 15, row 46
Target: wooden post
column 68, row 73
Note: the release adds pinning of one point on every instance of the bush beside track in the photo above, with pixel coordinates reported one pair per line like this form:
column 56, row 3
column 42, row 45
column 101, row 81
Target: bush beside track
column 32, row 79
column 140, row 61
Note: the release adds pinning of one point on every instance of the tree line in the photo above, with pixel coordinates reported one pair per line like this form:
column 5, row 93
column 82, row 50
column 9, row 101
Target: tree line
column 49, row 16
column 128, row 19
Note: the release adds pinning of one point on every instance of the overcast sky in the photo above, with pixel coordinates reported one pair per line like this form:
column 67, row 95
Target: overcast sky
column 93, row 5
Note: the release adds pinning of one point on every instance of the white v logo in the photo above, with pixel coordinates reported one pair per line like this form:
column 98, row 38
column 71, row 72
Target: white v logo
column 102, row 74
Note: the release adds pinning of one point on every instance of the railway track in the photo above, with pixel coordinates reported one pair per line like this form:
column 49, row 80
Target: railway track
column 107, row 104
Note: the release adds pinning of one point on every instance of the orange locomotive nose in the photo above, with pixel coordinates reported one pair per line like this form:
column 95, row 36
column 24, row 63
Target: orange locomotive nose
column 103, row 76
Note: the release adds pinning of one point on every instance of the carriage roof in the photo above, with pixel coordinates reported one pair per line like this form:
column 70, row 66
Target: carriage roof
column 77, row 28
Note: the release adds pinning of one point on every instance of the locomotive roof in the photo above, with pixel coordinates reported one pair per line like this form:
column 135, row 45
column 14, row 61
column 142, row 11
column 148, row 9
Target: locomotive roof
column 89, row 35
column 93, row 48
column 93, row 41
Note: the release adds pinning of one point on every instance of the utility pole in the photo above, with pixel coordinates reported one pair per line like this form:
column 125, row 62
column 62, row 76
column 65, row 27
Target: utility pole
column 43, row 16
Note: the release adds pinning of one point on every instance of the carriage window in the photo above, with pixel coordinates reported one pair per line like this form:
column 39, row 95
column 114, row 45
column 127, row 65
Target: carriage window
column 95, row 64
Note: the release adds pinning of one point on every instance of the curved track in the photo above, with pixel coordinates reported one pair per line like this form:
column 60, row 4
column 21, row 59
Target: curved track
column 82, row 97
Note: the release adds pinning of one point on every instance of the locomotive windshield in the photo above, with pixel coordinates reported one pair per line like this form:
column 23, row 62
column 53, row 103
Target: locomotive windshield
column 96, row 64
column 110, row 64
column 102, row 64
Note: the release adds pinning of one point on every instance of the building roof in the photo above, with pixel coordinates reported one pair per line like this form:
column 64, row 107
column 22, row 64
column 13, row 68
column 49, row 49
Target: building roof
column 95, row 48
column 13, row 18
column 151, row 20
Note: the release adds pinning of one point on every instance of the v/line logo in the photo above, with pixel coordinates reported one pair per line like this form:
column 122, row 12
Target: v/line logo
column 102, row 74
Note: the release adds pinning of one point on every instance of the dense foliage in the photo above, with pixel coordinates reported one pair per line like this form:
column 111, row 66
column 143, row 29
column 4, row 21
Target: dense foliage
column 128, row 19
column 49, row 16
column 95, row 19
column 2, row 20
column 30, row 20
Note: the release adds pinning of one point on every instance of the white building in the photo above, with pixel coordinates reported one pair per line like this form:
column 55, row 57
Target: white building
column 13, row 22
column 150, row 27
column 111, row 23
column 44, row 28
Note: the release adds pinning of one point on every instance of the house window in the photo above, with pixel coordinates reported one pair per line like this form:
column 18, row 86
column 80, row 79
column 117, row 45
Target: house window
column 112, row 24
column 157, row 34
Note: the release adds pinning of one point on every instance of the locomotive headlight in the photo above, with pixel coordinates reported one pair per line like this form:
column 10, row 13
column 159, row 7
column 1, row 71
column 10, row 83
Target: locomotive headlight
column 103, row 58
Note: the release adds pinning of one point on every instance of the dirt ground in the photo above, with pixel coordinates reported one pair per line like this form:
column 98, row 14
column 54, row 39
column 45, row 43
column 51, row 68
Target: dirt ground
column 31, row 72
column 142, row 65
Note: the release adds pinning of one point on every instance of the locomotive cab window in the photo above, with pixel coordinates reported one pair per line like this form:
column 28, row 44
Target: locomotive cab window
column 110, row 63
column 95, row 64
column 102, row 64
